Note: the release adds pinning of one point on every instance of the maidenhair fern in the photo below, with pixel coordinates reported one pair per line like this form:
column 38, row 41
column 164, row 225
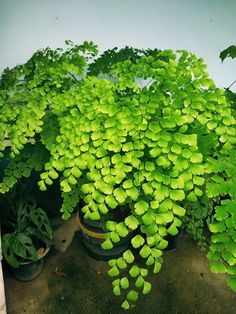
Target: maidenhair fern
column 154, row 135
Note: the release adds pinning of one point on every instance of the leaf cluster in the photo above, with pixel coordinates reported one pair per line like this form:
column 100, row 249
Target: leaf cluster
column 31, row 229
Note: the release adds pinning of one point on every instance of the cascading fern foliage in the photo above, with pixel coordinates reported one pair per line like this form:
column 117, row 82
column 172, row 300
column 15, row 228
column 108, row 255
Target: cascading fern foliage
column 151, row 135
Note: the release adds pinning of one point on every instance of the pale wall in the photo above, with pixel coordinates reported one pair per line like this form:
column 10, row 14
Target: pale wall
column 203, row 26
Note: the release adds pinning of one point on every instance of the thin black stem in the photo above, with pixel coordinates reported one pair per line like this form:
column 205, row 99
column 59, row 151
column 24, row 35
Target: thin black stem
column 73, row 76
column 231, row 84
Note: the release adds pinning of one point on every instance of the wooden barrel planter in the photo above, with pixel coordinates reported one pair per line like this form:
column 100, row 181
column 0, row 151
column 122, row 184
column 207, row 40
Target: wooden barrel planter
column 93, row 236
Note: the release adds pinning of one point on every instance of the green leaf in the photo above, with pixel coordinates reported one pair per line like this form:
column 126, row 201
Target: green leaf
column 107, row 245
column 137, row 241
column 221, row 213
column 141, row 207
column 228, row 52
column 124, row 282
column 111, row 202
column 154, row 127
column 178, row 210
column 157, row 267
column 229, row 258
column 113, row 272
column 8, row 252
column 128, row 256
column 173, row 230
column 125, row 305
column 163, row 244
column 116, row 291
column 139, row 282
column 146, row 287
column 120, row 195
column 112, row 262
column 128, row 184
column 177, row 195
column 232, row 283
column 122, row 229
column 131, row 222
column 217, row 227
column 149, row 166
column 218, row 267
column 150, row 261
column 134, row 271
column 145, row 251
column 133, row 295
column 148, row 218
column 23, row 247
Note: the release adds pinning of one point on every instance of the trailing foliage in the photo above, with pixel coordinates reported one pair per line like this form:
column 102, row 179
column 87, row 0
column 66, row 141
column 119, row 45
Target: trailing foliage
column 223, row 224
column 152, row 136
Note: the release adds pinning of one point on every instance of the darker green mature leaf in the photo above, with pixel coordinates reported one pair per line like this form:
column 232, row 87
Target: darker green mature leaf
column 41, row 222
column 24, row 247
column 228, row 52
column 132, row 295
column 8, row 252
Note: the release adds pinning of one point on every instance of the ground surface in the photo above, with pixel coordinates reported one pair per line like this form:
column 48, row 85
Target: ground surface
column 74, row 283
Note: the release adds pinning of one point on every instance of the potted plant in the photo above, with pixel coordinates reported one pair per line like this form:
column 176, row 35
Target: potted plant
column 151, row 135
column 28, row 239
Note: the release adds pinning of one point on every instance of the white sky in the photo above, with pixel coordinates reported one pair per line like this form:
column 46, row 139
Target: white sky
column 204, row 27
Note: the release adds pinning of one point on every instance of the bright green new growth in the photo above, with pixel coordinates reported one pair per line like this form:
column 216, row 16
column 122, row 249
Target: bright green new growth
column 152, row 135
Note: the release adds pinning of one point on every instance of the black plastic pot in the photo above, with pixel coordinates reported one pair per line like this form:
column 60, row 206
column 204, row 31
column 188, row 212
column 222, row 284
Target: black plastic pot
column 93, row 237
column 30, row 270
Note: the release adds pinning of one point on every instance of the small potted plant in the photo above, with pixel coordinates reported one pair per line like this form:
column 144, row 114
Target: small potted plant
column 149, row 133
column 28, row 239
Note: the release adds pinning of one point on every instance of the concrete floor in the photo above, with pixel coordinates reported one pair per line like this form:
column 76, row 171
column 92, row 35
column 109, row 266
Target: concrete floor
column 74, row 283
